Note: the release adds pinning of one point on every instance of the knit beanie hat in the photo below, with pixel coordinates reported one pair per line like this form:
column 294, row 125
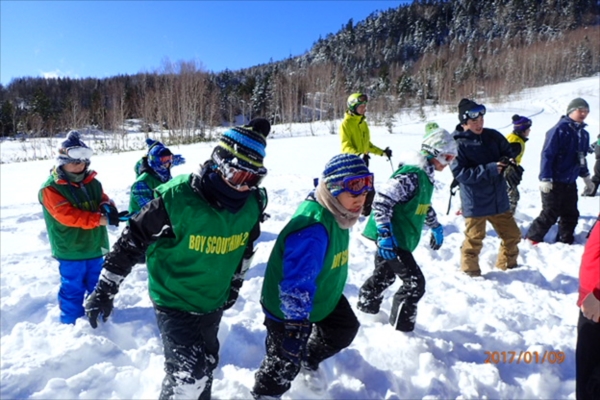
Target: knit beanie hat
column 340, row 167
column 464, row 106
column 72, row 149
column 260, row 125
column 520, row 124
column 243, row 148
column 576, row 104
column 437, row 141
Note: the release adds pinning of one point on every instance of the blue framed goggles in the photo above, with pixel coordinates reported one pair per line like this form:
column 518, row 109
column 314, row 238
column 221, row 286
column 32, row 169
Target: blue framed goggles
column 358, row 184
column 474, row 113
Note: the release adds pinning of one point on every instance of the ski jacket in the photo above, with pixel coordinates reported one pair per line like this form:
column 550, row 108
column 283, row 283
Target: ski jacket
column 405, row 201
column 308, row 266
column 517, row 144
column 589, row 271
column 564, row 151
column 142, row 190
column 72, row 216
column 356, row 137
column 482, row 187
column 193, row 246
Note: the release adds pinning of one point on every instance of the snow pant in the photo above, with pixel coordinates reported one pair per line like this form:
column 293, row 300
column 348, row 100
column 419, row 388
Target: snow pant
column 505, row 226
column 191, row 350
column 76, row 278
column 513, row 197
column 587, row 359
column 596, row 176
column 404, row 305
column 560, row 204
column 328, row 337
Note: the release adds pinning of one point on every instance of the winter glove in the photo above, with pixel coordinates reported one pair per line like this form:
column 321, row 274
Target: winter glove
column 178, row 159
column 112, row 214
column 366, row 159
column 386, row 243
column 437, row 237
column 294, row 340
column 237, row 281
column 589, row 186
column 101, row 299
column 388, row 152
column 545, row 186
column 513, row 174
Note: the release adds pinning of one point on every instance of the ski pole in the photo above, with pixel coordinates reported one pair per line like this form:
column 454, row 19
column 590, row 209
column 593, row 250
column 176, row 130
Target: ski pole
column 391, row 163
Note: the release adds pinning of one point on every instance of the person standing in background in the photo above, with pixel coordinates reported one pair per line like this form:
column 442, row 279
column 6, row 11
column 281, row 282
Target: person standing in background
column 562, row 162
column 76, row 212
column 517, row 139
column 590, row 191
column 356, row 137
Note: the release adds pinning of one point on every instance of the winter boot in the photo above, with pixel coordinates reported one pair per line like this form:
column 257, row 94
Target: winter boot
column 314, row 379
column 367, row 305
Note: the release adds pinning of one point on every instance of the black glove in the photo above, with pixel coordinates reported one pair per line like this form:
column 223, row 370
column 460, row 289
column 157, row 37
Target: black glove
column 112, row 214
column 388, row 152
column 101, row 301
column 513, row 174
column 294, row 340
column 366, row 159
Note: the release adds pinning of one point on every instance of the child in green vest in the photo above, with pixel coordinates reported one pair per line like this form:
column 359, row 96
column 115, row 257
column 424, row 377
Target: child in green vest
column 401, row 208
column 76, row 212
column 308, row 318
column 198, row 236
column 152, row 170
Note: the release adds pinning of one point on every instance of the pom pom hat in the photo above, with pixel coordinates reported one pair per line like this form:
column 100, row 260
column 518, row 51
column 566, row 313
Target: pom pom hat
column 342, row 167
column 73, row 150
column 520, row 124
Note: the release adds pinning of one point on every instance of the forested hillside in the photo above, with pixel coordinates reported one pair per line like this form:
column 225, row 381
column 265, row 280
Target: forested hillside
column 429, row 52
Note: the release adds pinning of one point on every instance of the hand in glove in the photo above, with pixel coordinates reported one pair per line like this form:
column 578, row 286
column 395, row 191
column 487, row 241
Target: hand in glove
column 591, row 307
column 545, row 186
column 386, row 243
column 437, row 237
column 513, row 174
column 101, row 300
column 112, row 214
column 589, row 185
column 178, row 159
column 388, row 152
column 294, row 340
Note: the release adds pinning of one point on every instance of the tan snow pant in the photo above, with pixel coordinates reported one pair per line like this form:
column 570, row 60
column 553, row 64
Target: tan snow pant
column 506, row 228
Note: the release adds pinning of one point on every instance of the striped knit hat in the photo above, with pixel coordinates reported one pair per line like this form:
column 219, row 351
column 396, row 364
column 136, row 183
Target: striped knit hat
column 66, row 153
column 242, row 147
column 340, row 167
column 520, row 124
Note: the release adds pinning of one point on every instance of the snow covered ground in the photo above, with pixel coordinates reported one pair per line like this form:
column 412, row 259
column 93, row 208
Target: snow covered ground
column 467, row 329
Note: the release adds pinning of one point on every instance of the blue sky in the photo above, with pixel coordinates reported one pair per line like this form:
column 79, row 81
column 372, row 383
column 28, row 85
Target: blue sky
column 105, row 38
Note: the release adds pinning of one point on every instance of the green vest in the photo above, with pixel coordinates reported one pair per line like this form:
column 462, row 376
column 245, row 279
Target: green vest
column 72, row 243
column 193, row 271
column 332, row 278
column 407, row 218
column 152, row 181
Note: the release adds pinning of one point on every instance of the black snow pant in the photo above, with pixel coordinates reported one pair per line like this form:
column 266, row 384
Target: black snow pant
column 404, row 305
column 560, row 202
column 191, row 350
column 328, row 337
column 587, row 359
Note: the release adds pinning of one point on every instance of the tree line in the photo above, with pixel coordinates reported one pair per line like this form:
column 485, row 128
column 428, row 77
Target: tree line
column 428, row 52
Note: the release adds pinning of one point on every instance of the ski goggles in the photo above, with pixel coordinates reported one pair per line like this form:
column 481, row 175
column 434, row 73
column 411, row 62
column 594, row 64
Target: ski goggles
column 359, row 184
column 164, row 160
column 474, row 113
column 362, row 99
column 239, row 177
column 78, row 153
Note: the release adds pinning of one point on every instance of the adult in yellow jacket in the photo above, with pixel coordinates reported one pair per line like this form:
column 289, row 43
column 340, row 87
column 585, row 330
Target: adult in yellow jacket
column 356, row 137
